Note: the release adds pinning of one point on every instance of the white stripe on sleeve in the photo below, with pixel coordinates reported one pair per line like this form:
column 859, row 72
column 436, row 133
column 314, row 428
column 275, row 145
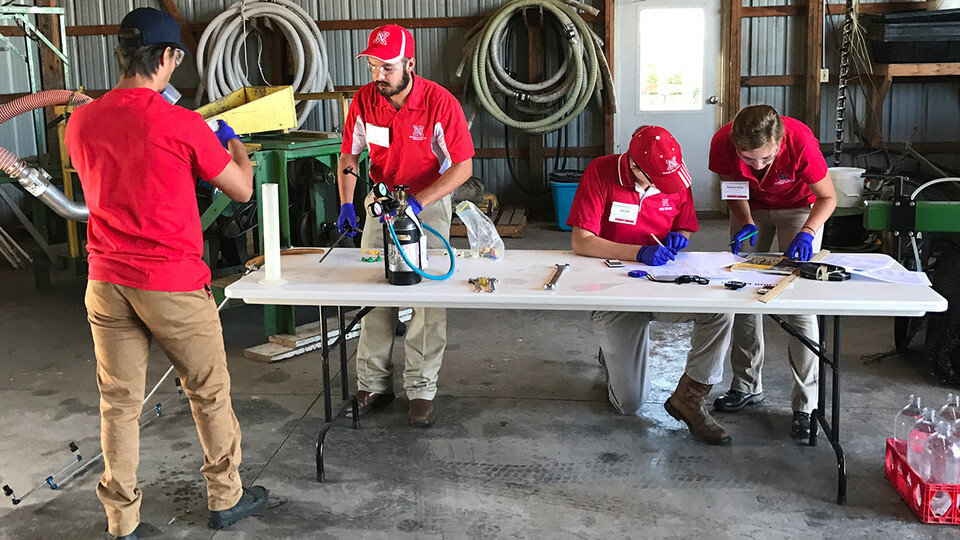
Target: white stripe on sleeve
column 359, row 138
column 439, row 147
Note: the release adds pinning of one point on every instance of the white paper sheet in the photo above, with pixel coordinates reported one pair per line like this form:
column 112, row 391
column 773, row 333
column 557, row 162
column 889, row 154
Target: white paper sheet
column 701, row 263
column 894, row 275
column 858, row 263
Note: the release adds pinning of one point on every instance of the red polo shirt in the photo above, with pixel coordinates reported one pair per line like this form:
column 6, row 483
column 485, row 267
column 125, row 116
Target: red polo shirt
column 798, row 164
column 412, row 146
column 137, row 157
column 608, row 205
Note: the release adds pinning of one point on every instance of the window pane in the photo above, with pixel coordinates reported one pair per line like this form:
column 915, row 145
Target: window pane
column 671, row 59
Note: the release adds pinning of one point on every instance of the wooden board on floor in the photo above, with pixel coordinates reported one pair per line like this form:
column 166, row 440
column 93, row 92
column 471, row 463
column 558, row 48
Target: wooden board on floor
column 307, row 339
column 510, row 221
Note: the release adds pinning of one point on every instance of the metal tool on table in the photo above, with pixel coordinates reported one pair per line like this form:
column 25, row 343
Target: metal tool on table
column 476, row 284
column 558, row 271
column 483, row 284
column 342, row 236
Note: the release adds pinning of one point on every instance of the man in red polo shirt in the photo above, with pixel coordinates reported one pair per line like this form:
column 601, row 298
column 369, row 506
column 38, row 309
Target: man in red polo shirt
column 417, row 136
column 620, row 202
column 791, row 196
column 137, row 157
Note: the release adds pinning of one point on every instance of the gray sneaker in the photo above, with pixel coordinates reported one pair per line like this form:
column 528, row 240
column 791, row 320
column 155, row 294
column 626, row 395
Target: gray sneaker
column 253, row 499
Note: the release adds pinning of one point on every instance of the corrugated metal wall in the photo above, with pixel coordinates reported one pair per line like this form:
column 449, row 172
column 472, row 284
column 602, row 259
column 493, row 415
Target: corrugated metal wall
column 915, row 112
column 771, row 46
column 438, row 56
column 16, row 135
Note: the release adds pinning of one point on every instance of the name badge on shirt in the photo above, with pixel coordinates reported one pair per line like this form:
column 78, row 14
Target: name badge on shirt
column 624, row 213
column 377, row 135
column 735, row 190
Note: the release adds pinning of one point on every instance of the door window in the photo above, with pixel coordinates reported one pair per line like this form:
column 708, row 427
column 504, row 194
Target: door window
column 671, row 59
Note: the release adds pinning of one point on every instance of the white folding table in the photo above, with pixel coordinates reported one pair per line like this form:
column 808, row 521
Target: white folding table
column 343, row 280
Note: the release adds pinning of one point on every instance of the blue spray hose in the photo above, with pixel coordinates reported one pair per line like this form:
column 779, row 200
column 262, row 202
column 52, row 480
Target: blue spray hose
column 414, row 267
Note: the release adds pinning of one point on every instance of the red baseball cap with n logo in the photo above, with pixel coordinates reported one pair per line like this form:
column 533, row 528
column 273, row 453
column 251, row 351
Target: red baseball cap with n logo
column 658, row 155
column 389, row 43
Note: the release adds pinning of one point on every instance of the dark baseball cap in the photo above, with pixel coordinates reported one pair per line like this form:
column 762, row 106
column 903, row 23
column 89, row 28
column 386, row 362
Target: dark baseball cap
column 153, row 26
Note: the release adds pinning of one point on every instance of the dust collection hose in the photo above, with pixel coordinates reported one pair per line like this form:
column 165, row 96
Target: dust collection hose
column 221, row 51
column 557, row 99
column 36, row 180
column 446, row 245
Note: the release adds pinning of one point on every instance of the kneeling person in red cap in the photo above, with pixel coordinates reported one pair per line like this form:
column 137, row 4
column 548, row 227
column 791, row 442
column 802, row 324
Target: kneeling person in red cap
column 622, row 202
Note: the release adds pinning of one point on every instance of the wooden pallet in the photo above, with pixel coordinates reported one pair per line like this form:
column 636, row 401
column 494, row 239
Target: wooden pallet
column 306, row 339
column 510, row 221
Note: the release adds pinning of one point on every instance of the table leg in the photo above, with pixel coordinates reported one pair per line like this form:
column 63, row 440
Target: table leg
column 831, row 429
column 330, row 415
column 834, row 431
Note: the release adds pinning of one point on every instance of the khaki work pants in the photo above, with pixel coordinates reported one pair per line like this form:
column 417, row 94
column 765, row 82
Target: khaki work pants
column 625, row 345
column 746, row 357
column 426, row 336
column 187, row 326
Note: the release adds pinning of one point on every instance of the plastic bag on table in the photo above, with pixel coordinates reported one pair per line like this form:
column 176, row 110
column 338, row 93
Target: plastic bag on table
column 481, row 232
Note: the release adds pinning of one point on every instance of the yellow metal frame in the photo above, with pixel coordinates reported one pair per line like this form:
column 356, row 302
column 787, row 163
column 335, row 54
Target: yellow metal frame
column 69, row 173
column 254, row 109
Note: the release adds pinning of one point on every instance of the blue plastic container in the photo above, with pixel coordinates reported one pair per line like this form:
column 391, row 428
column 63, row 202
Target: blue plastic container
column 562, row 201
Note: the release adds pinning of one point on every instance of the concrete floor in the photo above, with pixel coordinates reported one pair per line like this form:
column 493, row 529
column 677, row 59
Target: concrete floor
column 526, row 445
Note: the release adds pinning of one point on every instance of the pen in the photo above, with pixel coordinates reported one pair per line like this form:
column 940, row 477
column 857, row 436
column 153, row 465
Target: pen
column 659, row 243
column 747, row 237
column 657, row 240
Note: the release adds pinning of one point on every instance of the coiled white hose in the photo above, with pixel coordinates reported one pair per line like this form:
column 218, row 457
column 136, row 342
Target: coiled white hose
column 221, row 62
column 559, row 98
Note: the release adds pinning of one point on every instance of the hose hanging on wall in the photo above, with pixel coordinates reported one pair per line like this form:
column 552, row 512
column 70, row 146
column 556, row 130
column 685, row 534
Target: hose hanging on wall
column 555, row 100
column 220, row 62
column 36, row 180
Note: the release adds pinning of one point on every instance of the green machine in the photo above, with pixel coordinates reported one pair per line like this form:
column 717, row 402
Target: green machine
column 311, row 225
column 922, row 236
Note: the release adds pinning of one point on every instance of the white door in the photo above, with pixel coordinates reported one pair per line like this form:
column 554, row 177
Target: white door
column 667, row 74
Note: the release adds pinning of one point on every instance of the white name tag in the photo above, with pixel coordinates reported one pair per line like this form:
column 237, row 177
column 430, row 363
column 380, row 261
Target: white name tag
column 624, row 213
column 377, row 135
column 735, row 190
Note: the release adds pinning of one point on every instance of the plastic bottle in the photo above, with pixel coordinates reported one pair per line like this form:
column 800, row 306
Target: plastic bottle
column 906, row 418
column 941, row 462
column 951, row 411
column 926, row 426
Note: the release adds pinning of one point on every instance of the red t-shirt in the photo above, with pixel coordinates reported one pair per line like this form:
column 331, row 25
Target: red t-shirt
column 608, row 205
column 798, row 164
column 137, row 157
column 412, row 146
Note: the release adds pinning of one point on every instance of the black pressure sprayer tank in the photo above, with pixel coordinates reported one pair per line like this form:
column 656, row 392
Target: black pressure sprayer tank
column 408, row 234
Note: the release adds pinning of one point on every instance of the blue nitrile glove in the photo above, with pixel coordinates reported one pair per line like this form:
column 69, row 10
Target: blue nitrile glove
column 801, row 248
column 676, row 241
column 412, row 210
column 654, row 255
column 348, row 217
column 413, row 205
column 741, row 235
column 225, row 133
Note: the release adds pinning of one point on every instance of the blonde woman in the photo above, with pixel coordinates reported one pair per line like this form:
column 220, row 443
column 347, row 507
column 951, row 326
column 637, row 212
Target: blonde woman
column 791, row 195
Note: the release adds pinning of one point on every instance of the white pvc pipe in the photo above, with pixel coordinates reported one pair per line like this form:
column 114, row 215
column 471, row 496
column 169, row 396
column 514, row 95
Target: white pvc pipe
column 270, row 204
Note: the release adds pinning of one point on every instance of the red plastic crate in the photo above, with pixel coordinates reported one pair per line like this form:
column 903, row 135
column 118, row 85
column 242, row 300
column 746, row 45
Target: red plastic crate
column 917, row 493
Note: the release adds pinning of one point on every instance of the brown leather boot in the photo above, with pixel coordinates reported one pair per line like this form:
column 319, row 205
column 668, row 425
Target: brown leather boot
column 421, row 413
column 687, row 405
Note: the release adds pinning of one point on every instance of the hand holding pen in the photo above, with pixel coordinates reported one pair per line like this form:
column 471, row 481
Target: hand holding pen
column 748, row 231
